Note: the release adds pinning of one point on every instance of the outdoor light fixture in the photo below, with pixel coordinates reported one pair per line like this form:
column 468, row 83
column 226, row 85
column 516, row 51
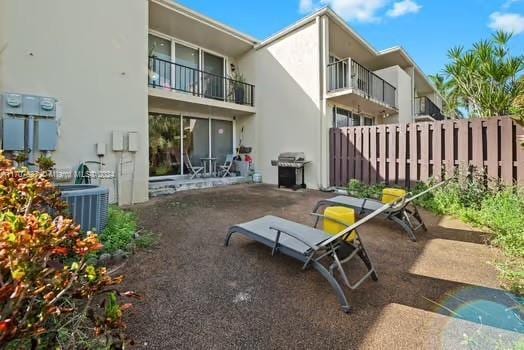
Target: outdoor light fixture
column 153, row 76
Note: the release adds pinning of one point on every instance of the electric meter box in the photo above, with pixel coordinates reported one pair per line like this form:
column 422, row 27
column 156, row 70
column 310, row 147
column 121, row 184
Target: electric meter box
column 47, row 134
column 30, row 105
column 47, row 107
column 13, row 134
column 27, row 105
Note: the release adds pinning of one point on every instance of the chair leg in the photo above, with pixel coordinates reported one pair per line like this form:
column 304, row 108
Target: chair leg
column 405, row 226
column 417, row 216
column 363, row 255
column 334, row 284
column 315, row 210
column 228, row 237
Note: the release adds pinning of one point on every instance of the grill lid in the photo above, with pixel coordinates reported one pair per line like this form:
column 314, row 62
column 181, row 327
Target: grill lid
column 292, row 157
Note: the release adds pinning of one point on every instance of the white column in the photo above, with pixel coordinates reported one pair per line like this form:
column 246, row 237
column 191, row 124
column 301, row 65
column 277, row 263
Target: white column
column 323, row 165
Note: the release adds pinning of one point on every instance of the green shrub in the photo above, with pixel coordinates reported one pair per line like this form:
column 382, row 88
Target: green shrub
column 503, row 213
column 120, row 230
column 358, row 189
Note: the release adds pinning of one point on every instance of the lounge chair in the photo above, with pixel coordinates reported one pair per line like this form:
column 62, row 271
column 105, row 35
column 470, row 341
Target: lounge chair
column 195, row 170
column 225, row 169
column 313, row 247
column 406, row 215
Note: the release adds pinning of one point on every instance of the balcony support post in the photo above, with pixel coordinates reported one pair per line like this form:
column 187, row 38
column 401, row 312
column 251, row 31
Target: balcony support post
column 349, row 82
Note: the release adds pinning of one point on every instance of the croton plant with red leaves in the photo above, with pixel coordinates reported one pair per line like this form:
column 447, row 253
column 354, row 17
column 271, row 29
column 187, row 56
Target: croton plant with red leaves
column 44, row 261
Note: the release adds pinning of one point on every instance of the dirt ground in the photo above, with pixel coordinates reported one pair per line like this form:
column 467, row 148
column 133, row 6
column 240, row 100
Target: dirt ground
column 438, row 293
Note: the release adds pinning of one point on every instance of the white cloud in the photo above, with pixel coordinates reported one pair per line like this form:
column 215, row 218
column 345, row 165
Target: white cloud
column 350, row 10
column 357, row 10
column 306, row 6
column 403, row 7
column 509, row 3
column 508, row 22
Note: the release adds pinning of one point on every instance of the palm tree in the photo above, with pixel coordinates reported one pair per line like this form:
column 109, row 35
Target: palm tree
column 485, row 79
column 450, row 99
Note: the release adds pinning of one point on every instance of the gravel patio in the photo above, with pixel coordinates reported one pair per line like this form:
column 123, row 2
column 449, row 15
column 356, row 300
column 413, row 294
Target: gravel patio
column 440, row 292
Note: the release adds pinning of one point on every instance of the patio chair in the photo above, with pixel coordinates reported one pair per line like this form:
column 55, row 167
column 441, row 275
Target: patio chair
column 195, row 170
column 313, row 247
column 225, row 169
column 406, row 215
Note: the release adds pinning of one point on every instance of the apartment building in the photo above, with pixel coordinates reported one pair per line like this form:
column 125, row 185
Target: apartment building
column 185, row 88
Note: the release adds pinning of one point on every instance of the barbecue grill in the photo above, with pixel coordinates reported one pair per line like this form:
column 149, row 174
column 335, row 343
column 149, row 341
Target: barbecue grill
column 290, row 169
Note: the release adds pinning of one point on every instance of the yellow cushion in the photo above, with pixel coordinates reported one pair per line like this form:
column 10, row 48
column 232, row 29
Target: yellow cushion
column 342, row 214
column 390, row 195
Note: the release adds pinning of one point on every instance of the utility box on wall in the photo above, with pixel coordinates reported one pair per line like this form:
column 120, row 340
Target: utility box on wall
column 28, row 123
column 13, row 134
column 46, row 135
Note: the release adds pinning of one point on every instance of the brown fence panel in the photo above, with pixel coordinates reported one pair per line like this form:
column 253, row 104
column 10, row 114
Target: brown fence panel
column 406, row 153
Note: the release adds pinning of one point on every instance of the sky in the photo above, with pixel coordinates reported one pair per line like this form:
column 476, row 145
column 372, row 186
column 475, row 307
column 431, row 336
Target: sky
column 425, row 28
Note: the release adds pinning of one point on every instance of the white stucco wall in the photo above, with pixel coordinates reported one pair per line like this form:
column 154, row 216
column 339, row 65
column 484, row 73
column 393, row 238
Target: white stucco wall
column 91, row 56
column 399, row 78
column 288, row 102
column 246, row 125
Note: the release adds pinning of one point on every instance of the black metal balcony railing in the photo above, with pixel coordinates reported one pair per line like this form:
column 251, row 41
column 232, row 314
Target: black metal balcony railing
column 173, row 76
column 360, row 78
column 424, row 106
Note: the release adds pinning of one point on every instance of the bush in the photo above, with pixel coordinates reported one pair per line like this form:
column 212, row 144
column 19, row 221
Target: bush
column 120, row 232
column 358, row 189
column 44, row 275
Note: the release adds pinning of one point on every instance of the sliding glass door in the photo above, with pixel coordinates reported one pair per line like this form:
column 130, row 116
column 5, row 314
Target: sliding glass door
column 221, row 139
column 173, row 137
column 196, row 139
column 164, row 145
column 213, row 78
column 160, row 72
column 186, row 69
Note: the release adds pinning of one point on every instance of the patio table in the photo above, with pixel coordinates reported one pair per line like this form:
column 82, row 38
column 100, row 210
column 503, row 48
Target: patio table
column 210, row 165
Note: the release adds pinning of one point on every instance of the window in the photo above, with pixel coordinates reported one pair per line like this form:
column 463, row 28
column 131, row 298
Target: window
column 368, row 121
column 343, row 118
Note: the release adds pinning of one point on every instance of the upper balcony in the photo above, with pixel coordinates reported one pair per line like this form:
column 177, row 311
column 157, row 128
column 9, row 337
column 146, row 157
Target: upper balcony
column 352, row 84
column 176, row 77
column 196, row 64
column 426, row 109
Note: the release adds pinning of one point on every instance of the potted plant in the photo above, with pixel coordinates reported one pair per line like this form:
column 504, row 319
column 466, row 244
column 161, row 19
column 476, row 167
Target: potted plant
column 238, row 85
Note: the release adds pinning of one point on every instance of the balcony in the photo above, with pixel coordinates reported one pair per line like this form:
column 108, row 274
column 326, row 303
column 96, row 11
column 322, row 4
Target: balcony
column 348, row 77
column 424, row 108
column 195, row 90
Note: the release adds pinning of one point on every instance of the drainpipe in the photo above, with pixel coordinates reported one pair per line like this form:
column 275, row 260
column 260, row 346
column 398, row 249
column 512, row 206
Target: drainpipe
column 323, row 27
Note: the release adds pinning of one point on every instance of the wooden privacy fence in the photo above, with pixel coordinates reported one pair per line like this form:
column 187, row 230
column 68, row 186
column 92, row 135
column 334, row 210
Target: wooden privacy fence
column 403, row 154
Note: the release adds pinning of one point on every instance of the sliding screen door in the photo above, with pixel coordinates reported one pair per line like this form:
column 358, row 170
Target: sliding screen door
column 221, row 139
column 196, row 140
column 213, row 76
column 186, row 69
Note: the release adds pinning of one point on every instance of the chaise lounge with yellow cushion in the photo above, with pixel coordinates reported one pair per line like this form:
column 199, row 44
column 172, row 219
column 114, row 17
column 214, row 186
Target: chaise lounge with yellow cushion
column 406, row 214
